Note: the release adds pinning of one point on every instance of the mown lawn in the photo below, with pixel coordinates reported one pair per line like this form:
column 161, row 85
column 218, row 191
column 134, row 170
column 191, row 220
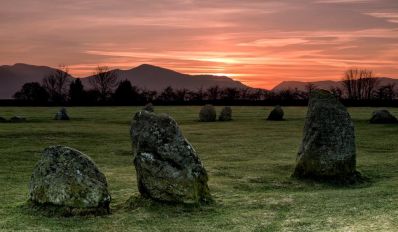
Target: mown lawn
column 249, row 162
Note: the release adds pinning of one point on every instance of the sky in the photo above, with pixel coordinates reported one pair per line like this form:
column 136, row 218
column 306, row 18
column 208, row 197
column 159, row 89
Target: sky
column 257, row 42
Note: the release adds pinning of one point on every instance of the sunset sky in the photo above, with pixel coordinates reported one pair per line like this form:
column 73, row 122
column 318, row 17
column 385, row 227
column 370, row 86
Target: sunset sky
column 260, row 43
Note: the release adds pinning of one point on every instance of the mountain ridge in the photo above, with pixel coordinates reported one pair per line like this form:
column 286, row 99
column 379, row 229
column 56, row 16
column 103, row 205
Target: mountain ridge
column 12, row 78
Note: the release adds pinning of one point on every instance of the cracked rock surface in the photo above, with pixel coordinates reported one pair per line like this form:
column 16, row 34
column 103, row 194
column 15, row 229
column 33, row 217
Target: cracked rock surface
column 168, row 168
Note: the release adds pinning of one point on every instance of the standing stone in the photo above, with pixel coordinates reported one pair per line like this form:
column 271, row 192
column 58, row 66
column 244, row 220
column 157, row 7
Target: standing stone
column 207, row 114
column 226, row 114
column 383, row 117
column 168, row 168
column 149, row 107
column 328, row 150
column 17, row 119
column 61, row 114
column 276, row 114
column 66, row 178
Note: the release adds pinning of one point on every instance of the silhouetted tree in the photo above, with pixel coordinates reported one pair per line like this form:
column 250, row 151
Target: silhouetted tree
column 386, row 92
column 359, row 84
column 32, row 93
column 126, row 94
column 56, row 84
column 213, row 93
column 310, row 87
column 167, row 95
column 104, row 81
column 336, row 91
column 93, row 97
column 147, row 96
column 181, row 95
column 76, row 92
column 230, row 94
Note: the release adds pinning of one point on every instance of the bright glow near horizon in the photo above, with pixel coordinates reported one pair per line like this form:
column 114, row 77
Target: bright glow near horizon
column 260, row 43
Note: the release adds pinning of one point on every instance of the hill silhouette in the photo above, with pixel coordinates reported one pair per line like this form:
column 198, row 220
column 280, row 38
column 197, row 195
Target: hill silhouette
column 301, row 85
column 12, row 77
column 157, row 78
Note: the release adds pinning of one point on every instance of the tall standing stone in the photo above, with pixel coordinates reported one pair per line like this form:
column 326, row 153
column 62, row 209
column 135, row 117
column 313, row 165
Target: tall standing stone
column 168, row 168
column 328, row 149
column 66, row 178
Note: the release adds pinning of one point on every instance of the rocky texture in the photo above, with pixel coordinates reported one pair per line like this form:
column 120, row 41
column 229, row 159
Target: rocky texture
column 17, row 119
column 67, row 178
column 276, row 114
column 383, row 117
column 61, row 114
column 168, row 168
column 328, row 150
column 207, row 114
column 226, row 114
column 149, row 107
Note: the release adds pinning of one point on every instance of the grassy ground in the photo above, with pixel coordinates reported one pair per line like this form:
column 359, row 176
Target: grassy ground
column 249, row 162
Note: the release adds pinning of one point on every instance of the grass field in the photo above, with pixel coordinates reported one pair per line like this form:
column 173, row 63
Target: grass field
column 249, row 162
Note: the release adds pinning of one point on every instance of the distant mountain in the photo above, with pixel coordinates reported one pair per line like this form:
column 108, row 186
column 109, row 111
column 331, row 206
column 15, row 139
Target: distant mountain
column 157, row 78
column 301, row 85
column 12, row 77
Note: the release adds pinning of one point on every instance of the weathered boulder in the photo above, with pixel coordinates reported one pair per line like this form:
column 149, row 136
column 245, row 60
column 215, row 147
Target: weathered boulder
column 383, row 117
column 207, row 114
column 168, row 168
column 328, row 148
column 17, row 119
column 65, row 177
column 149, row 107
column 276, row 114
column 61, row 114
column 226, row 114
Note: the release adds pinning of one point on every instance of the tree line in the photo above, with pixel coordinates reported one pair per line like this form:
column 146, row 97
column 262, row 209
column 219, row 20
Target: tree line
column 359, row 87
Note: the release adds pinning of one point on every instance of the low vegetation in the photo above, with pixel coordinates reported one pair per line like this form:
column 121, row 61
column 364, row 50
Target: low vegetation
column 249, row 162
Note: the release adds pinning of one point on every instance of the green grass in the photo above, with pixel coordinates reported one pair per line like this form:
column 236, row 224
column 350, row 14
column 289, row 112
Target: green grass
column 249, row 162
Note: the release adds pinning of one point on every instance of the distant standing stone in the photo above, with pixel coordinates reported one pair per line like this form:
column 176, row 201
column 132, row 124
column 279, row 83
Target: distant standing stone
column 149, row 107
column 226, row 114
column 383, row 117
column 168, row 168
column 65, row 177
column 17, row 119
column 61, row 114
column 207, row 114
column 276, row 114
column 328, row 148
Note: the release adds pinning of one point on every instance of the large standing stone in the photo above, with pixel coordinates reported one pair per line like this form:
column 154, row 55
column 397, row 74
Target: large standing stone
column 383, row 117
column 207, row 114
column 168, row 168
column 328, row 150
column 226, row 114
column 67, row 178
column 149, row 107
column 276, row 114
column 61, row 114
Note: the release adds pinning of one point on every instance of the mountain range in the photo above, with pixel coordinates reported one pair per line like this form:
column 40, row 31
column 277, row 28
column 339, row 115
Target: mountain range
column 301, row 85
column 12, row 78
